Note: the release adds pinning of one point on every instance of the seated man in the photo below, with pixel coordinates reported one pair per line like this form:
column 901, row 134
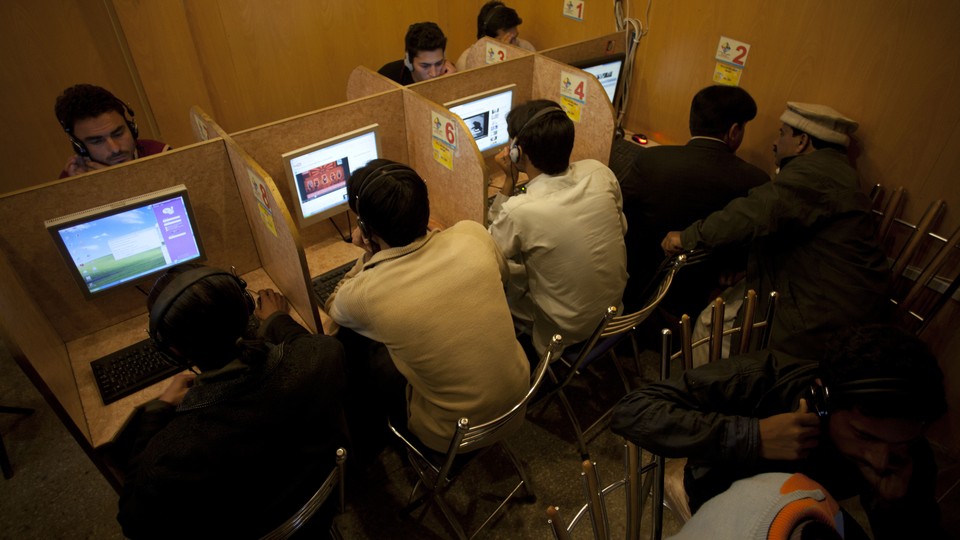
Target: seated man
column 811, row 233
column 853, row 422
column 424, row 57
column 669, row 187
column 101, row 128
column 234, row 451
column 499, row 22
column 435, row 300
column 564, row 235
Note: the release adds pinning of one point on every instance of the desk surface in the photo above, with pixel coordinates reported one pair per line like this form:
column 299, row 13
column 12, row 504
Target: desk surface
column 104, row 421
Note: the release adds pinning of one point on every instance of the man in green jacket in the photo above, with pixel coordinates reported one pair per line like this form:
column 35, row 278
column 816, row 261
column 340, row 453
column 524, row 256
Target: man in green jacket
column 812, row 236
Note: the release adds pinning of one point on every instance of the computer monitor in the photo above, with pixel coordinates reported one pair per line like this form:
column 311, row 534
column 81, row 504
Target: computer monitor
column 317, row 174
column 485, row 115
column 606, row 69
column 117, row 243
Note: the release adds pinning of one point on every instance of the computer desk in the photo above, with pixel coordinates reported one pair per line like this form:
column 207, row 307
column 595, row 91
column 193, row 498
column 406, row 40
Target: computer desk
column 104, row 421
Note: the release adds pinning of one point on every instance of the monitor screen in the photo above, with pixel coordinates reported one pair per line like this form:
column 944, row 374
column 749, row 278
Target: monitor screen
column 127, row 240
column 318, row 173
column 606, row 69
column 485, row 115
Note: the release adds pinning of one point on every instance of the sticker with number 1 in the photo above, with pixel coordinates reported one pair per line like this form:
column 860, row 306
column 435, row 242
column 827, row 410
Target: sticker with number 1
column 573, row 9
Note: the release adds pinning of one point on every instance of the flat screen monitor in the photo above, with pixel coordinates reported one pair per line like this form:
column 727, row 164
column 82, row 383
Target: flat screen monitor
column 318, row 173
column 485, row 115
column 117, row 243
column 606, row 69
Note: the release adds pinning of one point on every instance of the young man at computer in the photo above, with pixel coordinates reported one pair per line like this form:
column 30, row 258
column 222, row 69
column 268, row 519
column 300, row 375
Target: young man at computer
column 435, row 300
column 564, row 235
column 101, row 128
column 424, row 58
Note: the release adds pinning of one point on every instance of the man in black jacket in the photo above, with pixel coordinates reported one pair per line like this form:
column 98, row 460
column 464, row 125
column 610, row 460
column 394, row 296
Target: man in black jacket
column 853, row 422
column 238, row 449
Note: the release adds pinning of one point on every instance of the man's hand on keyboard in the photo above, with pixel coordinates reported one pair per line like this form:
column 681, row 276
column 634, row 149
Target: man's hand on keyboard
column 178, row 387
column 270, row 302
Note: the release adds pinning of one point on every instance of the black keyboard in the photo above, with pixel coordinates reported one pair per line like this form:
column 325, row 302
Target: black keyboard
column 133, row 368
column 325, row 283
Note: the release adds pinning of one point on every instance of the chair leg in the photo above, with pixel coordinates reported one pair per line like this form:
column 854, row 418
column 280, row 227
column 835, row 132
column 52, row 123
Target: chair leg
column 581, row 444
column 521, row 471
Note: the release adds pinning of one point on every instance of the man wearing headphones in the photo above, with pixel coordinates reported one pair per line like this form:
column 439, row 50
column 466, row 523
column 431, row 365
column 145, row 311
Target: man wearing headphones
column 435, row 300
column 236, row 450
column 563, row 235
column 499, row 22
column 424, row 58
column 101, row 128
column 853, row 422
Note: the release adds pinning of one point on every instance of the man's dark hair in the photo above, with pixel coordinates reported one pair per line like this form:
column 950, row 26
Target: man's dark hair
column 84, row 101
column 393, row 201
column 884, row 372
column 206, row 320
column 423, row 36
column 494, row 16
column 715, row 108
column 547, row 141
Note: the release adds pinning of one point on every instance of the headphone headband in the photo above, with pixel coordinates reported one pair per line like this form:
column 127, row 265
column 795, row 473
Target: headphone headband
column 376, row 176
column 820, row 397
column 180, row 285
column 514, row 149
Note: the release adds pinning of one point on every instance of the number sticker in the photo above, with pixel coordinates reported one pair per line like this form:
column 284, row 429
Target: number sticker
column 573, row 9
column 732, row 51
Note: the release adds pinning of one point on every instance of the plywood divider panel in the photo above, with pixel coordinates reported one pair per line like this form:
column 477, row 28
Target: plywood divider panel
column 478, row 52
column 203, row 168
column 267, row 143
column 591, row 48
column 458, row 193
column 596, row 125
column 39, row 350
column 276, row 236
column 364, row 82
column 450, row 87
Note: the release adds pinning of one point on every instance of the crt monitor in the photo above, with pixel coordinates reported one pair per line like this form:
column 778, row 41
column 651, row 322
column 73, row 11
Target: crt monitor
column 485, row 115
column 317, row 174
column 606, row 69
column 121, row 242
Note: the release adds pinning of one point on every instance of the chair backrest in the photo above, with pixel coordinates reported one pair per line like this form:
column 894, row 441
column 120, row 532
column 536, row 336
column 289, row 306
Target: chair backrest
column 889, row 212
column 303, row 515
column 476, row 436
column 932, row 288
column 714, row 340
column 917, row 237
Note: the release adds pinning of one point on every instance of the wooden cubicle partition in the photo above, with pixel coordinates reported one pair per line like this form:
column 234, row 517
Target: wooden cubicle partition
column 588, row 49
column 364, row 82
column 274, row 232
column 203, row 168
column 536, row 77
column 488, row 49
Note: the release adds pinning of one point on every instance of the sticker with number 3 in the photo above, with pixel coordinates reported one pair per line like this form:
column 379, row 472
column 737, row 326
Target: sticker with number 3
column 573, row 9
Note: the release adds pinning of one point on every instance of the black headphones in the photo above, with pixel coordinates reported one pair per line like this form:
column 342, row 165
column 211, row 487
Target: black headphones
column 820, row 397
column 177, row 287
column 376, row 176
column 515, row 151
column 128, row 116
column 493, row 11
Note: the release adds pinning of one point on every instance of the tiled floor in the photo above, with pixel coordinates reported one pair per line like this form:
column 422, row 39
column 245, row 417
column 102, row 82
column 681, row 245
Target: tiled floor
column 57, row 493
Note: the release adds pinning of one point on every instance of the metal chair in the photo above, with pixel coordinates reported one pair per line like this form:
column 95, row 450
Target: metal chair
column 437, row 478
column 334, row 480
column 934, row 285
column 611, row 330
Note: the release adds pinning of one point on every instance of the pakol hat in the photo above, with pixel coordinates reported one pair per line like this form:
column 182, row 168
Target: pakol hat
column 819, row 121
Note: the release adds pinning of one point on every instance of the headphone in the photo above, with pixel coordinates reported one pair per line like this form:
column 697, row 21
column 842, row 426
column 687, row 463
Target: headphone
column 820, row 397
column 515, row 151
column 177, row 287
column 406, row 61
column 376, row 176
column 128, row 117
column 493, row 11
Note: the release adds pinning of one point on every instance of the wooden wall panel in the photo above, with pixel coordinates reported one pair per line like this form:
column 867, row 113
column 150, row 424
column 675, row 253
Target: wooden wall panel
column 545, row 26
column 48, row 46
column 203, row 168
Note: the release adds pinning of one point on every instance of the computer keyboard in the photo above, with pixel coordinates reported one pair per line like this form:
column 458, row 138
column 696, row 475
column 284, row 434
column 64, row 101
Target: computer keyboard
column 325, row 283
column 133, row 368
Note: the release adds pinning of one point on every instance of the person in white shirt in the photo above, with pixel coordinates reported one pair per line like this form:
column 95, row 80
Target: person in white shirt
column 563, row 237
